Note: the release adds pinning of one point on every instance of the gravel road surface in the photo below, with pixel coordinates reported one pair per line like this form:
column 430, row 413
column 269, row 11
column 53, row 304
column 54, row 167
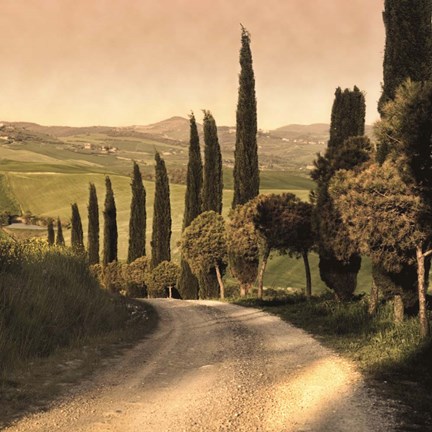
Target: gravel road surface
column 211, row 366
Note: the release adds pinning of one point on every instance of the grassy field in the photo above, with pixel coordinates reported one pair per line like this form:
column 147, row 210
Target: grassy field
column 7, row 199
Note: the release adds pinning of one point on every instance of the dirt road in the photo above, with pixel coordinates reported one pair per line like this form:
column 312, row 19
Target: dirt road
column 211, row 366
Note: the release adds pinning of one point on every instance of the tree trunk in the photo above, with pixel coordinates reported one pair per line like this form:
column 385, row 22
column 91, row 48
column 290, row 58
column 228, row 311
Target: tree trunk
column 308, row 290
column 221, row 285
column 423, row 318
column 244, row 289
column 373, row 300
column 398, row 309
column 261, row 273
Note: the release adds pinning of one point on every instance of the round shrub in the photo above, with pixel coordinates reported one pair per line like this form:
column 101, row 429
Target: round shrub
column 163, row 276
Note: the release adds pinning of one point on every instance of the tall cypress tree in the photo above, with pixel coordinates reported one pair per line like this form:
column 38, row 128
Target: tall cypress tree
column 59, row 239
column 213, row 175
column 246, row 171
column 188, row 285
column 137, row 223
column 408, row 26
column 77, row 236
column 343, row 151
column 93, row 226
column 51, row 234
column 110, row 225
column 161, row 234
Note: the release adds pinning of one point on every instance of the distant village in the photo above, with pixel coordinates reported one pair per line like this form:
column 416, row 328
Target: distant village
column 96, row 148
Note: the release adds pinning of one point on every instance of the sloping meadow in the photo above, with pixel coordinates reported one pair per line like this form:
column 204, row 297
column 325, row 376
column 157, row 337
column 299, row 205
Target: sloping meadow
column 48, row 300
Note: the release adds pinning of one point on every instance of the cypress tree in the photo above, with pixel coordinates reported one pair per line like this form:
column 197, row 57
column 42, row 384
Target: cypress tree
column 407, row 55
column 137, row 223
column 77, row 236
column 213, row 175
column 343, row 152
column 51, row 235
column 110, row 225
column 188, row 285
column 408, row 26
column 161, row 234
column 93, row 226
column 60, row 239
column 246, row 171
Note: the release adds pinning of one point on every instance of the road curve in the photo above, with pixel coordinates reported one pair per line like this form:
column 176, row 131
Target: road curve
column 211, row 366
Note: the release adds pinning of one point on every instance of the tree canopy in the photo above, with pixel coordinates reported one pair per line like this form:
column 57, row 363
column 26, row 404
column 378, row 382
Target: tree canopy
column 161, row 233
column 408, row 46
column 388, row 221
column 203, row 244
column 137, row 221
column 243, row 244
column 188, row 285
column 347, row 148
column 213, row 175
column 246, row 169
column 93, row 226
column 51, row 233
column 110, row 225
column 77, row 236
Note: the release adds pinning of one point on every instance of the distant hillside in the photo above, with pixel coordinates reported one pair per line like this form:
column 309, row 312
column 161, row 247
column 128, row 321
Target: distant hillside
column 321, row 129
column 289, row 148
column 174, row 128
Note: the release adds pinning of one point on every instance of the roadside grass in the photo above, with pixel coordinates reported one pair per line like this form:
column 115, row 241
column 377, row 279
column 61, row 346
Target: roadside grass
column 392, row 356
column 33, row 386
column 55, row 323
column 48, row 300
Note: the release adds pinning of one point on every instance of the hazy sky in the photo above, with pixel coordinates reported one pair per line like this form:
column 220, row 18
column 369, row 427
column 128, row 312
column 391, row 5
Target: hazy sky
column 124, row 62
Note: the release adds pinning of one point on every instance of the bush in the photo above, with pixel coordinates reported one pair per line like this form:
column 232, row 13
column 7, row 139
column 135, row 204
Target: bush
column 163, row 276
column 136, row 275
column 113, row 278
column 232, row 290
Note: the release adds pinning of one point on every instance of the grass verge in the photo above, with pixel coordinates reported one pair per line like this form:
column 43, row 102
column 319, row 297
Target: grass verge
column 393, row 359
column 56, row 324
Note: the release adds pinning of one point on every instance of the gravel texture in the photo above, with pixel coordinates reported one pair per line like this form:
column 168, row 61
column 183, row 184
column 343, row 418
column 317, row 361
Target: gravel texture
column 211, row 366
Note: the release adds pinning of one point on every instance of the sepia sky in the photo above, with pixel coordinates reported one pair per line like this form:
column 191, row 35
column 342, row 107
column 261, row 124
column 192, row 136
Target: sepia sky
column 124, row 62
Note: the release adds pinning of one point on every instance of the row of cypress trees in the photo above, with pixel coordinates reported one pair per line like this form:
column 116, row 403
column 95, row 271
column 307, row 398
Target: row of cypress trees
column 52, row 239
column 110, row 227
column 137, row 224
column 204, row 187
column 204, row 184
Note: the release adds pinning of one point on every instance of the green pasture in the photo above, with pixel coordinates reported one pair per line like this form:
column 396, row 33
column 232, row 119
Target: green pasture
column 7, row 199
column 285, row 272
